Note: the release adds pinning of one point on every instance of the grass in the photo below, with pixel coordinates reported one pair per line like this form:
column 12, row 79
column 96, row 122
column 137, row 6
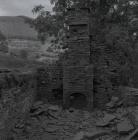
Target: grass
column 11, row 62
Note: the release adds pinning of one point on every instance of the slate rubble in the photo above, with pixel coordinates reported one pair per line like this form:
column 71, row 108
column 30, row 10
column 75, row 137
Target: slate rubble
column 59, row 124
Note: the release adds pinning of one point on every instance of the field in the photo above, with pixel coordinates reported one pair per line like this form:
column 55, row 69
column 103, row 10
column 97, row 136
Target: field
column 11, row 62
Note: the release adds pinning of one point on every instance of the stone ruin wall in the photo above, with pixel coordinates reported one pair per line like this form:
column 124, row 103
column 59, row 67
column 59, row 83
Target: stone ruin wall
column 43, row 86
column 49, row 83
column 78, row 73
column 17, row 91
column 83, row 50
column 77, row 70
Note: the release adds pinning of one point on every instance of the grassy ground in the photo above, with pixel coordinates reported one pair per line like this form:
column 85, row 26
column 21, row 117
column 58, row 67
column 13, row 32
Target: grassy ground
column 12, row 62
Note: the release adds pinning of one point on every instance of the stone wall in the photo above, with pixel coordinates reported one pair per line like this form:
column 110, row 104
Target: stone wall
column 77, row 71
column 49, row 83
column 43, row 87
column 78, row 79
column 17, row 91
column 24, row 48
column 23, row 43
column 105, row 75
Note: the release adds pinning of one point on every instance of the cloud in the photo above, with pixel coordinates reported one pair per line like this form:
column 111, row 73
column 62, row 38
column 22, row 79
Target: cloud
column 21, row 7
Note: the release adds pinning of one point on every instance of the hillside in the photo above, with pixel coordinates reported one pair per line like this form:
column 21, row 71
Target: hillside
column 11, row 62
column 17, row 27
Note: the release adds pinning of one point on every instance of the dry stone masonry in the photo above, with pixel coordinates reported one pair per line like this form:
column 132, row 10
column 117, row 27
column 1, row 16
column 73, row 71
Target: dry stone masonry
column 17, row 91
column 77, row 71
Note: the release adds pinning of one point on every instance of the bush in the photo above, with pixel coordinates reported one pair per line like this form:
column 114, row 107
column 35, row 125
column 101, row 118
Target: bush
column 4, row 47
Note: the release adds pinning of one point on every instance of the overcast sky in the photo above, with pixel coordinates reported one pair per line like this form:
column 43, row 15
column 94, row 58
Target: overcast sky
column 21, row 7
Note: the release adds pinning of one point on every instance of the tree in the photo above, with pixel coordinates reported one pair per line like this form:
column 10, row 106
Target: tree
column 103, row 10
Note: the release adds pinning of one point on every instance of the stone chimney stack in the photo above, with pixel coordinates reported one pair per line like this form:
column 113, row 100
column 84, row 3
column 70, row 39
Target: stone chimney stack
column 78, row 71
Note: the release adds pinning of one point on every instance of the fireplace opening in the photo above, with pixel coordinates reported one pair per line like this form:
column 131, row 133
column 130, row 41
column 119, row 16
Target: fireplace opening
column 78, row 101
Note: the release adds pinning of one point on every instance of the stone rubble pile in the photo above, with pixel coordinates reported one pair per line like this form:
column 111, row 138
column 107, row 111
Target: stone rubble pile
column 130, row 96
column 20, row 120
column 53, row 123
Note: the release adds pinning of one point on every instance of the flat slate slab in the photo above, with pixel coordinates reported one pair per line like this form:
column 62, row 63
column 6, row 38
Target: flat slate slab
column 125, row 126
